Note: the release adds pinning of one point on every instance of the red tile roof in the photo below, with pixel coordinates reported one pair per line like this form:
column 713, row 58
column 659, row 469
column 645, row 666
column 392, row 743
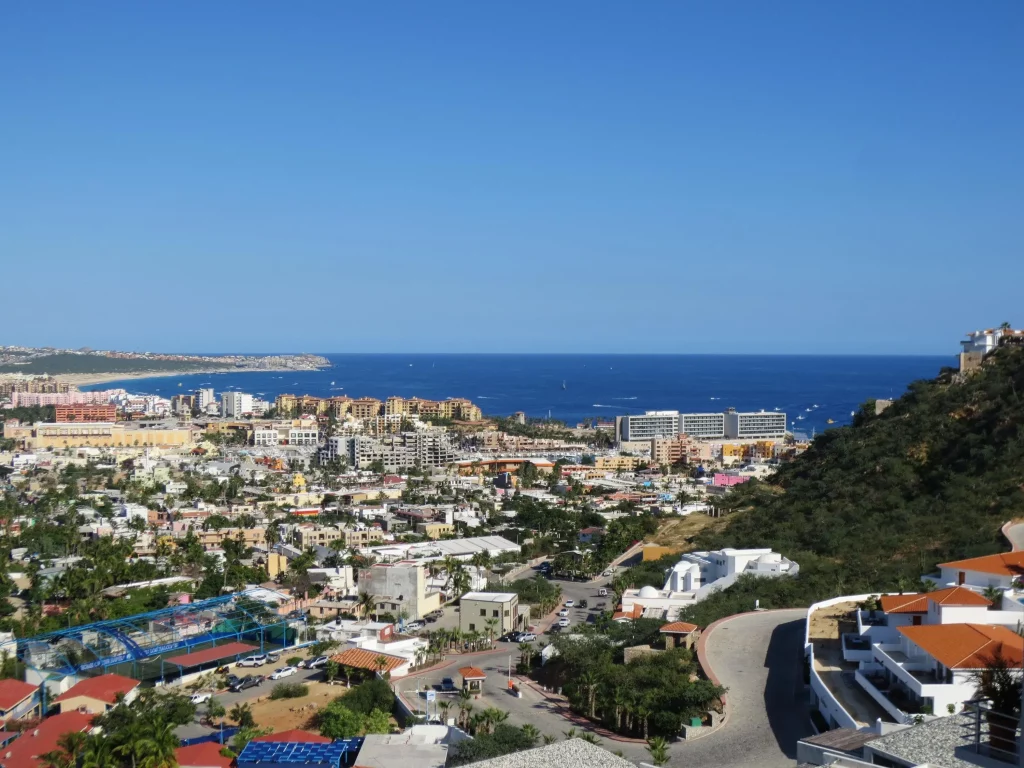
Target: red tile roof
column 363, row 659
column 1005, row 564
column 212, row 654
column 472, row 673
column 967, row 646
column 205, row 755
column 103, row 688
column 13, row 692
column 919, row 603
column 679, row 627
column 295, row 736
column 24, row 751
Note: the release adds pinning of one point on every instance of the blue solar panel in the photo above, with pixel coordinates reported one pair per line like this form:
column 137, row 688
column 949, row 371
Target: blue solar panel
column 265, row 754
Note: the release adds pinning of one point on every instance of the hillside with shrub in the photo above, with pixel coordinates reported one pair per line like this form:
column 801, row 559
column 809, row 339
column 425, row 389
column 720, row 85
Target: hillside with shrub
column 874, row 506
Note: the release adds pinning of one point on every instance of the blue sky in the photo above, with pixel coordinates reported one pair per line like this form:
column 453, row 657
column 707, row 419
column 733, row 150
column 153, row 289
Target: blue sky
column 572, row 176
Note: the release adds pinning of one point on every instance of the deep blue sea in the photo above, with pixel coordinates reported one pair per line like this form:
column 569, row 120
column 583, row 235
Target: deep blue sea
column 815, row 387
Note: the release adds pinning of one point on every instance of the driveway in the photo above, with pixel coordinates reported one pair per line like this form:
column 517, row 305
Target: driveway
column 1015, row 533
column 758, row 657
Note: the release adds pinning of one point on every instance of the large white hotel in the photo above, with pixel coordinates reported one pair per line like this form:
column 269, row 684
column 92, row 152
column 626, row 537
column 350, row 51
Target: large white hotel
column 728, row 425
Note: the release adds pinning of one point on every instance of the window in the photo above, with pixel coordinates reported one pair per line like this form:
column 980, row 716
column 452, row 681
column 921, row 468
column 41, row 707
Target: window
column 483, row 611
column 506, row 612
column 472, row 627
column 494, row 613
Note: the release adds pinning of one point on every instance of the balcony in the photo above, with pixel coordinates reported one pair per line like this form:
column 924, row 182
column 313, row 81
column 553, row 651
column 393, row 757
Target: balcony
column 915, row 674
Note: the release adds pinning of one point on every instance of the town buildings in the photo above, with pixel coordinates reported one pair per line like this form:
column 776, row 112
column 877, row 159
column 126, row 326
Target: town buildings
column 235, row 404
column 730, row 424
column 493, row 612
column 82, row 412
column 99, row 434
column 400, row 588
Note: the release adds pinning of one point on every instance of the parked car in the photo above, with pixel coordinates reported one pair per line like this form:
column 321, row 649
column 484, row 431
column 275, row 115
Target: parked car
column 564, row 612
column 232, row 680
column 601, row 606
column 527, row 637
column 509, row 637
column 448, row 685
column 254, row 661
column 607, row 573
column 273, row 657
column 583, row 603
column 319, row 661
column 569, row 603
column 602, row 592
column 563, row 622
column 200, row 698
column 283, row 672
column 249, row 681
column 414, row 626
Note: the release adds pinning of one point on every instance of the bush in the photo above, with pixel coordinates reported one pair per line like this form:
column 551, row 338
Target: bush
column 293, row 661
column 289, row 691
column 503, row 741
column 337, row 721
column 368, row 696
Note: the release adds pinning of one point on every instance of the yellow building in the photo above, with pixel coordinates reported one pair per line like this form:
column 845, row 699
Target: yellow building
column 365, row 407
column 618, row 463
column 435, row 530
column 96, row 434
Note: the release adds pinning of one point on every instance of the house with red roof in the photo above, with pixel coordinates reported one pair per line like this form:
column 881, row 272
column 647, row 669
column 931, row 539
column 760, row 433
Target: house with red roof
column 205, row 755
column 96, row 695
column 987, row 571
column 24, row 751
column 17, row 700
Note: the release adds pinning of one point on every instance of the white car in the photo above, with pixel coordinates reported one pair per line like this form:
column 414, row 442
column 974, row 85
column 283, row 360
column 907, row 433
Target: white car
column 602, row 592
column 527, row 637
column 607, row 573
column 283, row 672
column 200, row 698
column 569, row 603
column 563, row 622
column 253, row 661
column 563, row 612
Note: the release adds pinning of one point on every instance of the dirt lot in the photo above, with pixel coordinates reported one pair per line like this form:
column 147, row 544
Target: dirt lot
column 285, row 714
column 829, row 623
column 678, row 531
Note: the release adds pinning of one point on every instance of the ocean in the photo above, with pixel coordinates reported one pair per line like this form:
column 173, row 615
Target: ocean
column 816, row 388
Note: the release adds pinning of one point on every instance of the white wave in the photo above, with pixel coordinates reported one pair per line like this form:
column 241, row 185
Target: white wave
column 598, row 405
column 623, row 398
column 485, row 397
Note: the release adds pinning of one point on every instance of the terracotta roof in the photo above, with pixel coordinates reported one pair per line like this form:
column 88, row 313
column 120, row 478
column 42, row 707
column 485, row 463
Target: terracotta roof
column 295, row 736
column 363, row 659
column 1005, row 564
column 207, row 655
column 636, row 613
column 102, row 688
column 14, row 691
column 472, row 673
column 24, row 751
column 679, row 627
column 967, row 646
column 919, row 603
column 205, row 755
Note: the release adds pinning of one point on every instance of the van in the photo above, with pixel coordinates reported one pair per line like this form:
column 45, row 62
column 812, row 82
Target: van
column 602, row 592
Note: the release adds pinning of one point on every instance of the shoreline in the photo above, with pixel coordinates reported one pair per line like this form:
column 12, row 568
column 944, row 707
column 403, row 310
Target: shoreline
column 91, row 379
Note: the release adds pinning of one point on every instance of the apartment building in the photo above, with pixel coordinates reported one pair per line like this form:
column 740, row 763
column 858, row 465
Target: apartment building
column 648, row 426
column 183, row 405
column 674, row 450
column 400, row 586
column 64, row 414
column 365, row 407
column 703, row 426
column 323, row 535
column 19, row 399
column 96, row 434
column 425, row 448
column 435, row 530
column 205, row 397
column 214, row 539
column 235, row 404
column 762, row 425
column 501, row 609
column 455, row 408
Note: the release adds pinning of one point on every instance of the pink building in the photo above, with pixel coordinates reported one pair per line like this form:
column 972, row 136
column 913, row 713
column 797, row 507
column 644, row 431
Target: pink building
column 726, row 481
column 20, row 399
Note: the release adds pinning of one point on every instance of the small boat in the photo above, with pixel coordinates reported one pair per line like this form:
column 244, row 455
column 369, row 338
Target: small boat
column 332, row 383
column 563, row 383
column 800, row 417
column 777, row 408
column 830, row 421
column 807, row 409
column 179, row 383
column 853, row 413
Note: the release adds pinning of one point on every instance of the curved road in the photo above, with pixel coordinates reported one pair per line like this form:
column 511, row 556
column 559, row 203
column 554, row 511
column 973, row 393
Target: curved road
column 1015, row 534
column 759, row 658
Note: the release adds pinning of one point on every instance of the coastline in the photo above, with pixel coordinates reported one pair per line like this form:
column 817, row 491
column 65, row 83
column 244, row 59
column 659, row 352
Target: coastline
column 90, row 379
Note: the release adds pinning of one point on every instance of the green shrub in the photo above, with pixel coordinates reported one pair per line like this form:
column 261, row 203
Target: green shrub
column 293, row 661
column 289, row 691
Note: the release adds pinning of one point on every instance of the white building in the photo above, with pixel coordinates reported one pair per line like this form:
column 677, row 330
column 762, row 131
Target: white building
column 235, row 404
column 204, row 398
column 265, row 436
column 648, row 426
column 308, row 435
column 761, row 425
column 703, row 426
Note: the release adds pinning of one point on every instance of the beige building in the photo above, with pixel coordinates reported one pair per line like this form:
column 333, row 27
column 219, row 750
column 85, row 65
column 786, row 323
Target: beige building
column 214, row 539
column 96, row 695
column 400, row 586
column 435, row 530
column 322, row 535
column 618, row 463
column 501, row 609
column 96, row 434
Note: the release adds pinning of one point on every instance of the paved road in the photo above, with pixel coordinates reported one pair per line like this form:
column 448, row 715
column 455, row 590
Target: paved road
column 1015, row 533
column 758, row 657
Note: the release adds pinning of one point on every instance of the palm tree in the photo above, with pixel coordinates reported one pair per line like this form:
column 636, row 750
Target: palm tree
column 548, row 739
column 366, row 604
column 98, row 754
column 590, row 738
column 530, row 732
column 995, row 596
column 159, row 747
column 570, row 734
column 381, row 664
column 657, row 748
column 491, row 624
column 525, row 654
column 444, row 706
column 242, row 714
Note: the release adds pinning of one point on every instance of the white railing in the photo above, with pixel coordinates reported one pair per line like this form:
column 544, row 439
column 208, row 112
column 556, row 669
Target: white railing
column 869, row 688
column 902, row 669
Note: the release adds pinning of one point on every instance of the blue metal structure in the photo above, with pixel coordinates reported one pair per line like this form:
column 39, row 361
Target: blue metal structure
column 144, row 638
column 266, row 754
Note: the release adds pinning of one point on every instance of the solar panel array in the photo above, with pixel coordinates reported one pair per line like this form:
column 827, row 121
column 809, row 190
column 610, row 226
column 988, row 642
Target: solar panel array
column 267, row 753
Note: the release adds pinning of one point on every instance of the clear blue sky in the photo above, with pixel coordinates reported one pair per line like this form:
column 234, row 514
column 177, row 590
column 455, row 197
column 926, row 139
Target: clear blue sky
column 530, row 176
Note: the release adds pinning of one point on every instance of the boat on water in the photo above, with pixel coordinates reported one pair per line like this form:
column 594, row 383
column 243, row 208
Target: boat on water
column 563, row 383
column 332, row 383
column 830, row 421
column 800, row 417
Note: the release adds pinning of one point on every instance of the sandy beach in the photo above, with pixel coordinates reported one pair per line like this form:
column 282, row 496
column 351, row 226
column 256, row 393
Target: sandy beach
column 88, row 379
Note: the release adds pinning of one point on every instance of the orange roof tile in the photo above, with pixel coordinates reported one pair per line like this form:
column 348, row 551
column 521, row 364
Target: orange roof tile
column 966, row 646
column 472, row 673
column 679, row 627
column 1005, row 564
column 205, row 755
column 12, row 692
column 919, row 603
column 103, row 688
column 24, row 751
column 363, row 659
